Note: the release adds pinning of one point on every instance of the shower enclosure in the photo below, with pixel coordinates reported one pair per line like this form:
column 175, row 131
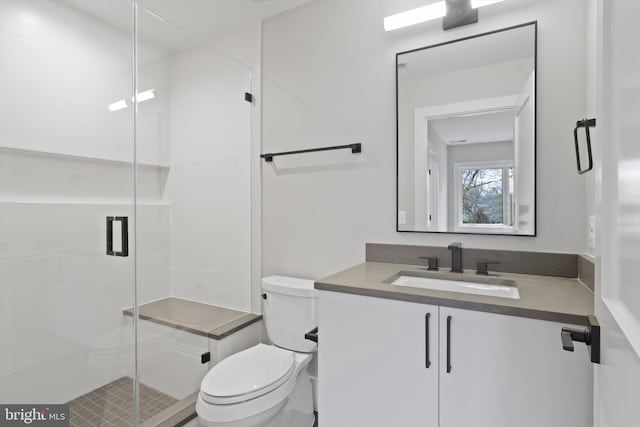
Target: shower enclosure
column 126, row 178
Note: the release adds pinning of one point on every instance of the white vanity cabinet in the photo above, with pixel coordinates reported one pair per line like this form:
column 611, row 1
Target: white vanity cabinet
column 507, row 371
column 487, row 370
column 372, row 362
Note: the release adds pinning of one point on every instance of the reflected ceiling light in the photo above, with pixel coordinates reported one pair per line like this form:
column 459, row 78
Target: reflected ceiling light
column 155, row 15
column 426, row 13
column 145, row 96
column 142, row 96
column 117, row 105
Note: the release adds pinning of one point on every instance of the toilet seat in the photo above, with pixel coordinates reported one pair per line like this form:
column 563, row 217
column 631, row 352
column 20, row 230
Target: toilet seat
column 212, row 413
column 248, row 375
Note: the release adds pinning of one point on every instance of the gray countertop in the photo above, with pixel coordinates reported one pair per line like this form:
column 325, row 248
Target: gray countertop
column 541, row 297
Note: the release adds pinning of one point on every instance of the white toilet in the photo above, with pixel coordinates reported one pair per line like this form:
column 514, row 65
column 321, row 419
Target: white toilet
column 267, row 385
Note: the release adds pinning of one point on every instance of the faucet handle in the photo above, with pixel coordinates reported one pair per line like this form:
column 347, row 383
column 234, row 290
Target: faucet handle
column 483, row 267
column 432, row 262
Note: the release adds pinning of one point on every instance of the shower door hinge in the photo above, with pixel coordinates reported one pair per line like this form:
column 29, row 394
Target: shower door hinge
column 248, row 97
column 205, row 357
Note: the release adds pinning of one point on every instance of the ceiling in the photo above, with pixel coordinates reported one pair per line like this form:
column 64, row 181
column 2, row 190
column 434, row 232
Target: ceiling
column 504, row 46
column 176, row 24
column 474, row 129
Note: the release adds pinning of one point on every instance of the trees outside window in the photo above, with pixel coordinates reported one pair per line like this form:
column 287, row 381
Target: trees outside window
column 486, row 196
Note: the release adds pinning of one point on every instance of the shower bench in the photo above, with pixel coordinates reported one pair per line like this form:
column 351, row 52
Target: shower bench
column 180, row 340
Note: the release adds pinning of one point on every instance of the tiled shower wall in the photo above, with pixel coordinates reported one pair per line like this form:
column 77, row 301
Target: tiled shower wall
column 62, row 298
column 65, row 164
column 209, row 183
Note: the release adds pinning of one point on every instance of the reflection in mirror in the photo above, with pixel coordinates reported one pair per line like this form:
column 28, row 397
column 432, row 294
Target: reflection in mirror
column 466, row 135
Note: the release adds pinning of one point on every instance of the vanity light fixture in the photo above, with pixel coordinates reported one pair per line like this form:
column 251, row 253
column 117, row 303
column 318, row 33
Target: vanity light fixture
column 480, row 3
column 426, row 13
column 415, row 16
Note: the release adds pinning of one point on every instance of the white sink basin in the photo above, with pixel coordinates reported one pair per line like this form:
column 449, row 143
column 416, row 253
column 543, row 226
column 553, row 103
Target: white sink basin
column 451, row 285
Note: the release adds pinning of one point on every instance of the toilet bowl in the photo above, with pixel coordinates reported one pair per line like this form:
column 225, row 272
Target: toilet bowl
column 255, row 387
column 267, row 385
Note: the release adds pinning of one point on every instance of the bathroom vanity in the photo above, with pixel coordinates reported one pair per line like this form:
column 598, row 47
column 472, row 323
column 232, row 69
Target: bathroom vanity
column 408, row 356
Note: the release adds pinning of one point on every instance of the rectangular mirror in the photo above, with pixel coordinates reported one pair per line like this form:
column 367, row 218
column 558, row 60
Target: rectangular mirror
column 466, row 142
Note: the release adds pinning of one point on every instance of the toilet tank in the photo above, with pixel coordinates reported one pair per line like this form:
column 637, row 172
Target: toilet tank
column 289, row 311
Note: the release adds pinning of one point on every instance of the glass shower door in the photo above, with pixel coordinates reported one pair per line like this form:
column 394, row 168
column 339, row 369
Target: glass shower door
column 193, row 141
column 66, row 181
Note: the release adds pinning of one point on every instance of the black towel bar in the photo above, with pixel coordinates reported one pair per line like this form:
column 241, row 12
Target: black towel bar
column 355, row 148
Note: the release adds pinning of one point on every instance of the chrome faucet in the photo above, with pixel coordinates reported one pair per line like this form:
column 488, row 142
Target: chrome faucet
column 456, row 257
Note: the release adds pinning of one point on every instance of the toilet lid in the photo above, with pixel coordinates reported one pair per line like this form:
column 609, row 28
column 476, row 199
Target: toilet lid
column 248, row 374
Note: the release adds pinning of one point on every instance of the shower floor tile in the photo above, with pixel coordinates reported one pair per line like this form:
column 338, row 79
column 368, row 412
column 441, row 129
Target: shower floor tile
column 112, row 405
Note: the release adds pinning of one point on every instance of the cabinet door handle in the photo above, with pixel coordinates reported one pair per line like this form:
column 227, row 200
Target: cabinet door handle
column 427, row 361
column 448, row 344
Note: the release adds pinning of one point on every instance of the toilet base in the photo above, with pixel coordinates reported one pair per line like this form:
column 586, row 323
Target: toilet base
column 295, row 411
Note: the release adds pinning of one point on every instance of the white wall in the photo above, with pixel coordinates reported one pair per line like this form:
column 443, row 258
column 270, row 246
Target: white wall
column 329, row 79
column 458, row 86
column 438, row 180
column 209, row 183
column 60, row 71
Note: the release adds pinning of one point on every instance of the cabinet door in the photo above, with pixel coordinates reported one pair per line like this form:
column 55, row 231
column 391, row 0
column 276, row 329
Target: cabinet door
column 509, row 371
column 372, row 362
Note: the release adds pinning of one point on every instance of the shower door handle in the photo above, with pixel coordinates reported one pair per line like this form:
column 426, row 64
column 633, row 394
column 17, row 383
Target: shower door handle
column 124, row 233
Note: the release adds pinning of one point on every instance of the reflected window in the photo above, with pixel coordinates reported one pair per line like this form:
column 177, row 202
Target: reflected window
column 486, row 196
